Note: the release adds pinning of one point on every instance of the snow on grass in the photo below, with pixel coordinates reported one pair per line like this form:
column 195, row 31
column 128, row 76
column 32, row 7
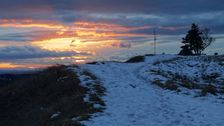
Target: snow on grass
column 132, row 100
column 95, row 92
column 205, row 73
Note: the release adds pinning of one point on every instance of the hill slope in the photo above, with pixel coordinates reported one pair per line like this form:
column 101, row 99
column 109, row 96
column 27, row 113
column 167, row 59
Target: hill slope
column 56, row 96
column 133, row 100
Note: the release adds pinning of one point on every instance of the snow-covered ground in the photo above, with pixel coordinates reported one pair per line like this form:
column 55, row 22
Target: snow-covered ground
column 132, row 100
column 190, row 72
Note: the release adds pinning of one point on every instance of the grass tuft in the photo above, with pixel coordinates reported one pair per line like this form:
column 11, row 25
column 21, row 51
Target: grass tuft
column 209, row 89
column 169, row 84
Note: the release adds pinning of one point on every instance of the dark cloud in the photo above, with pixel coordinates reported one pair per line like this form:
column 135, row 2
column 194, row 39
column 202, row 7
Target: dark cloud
column 124, row 6
column 17, row 37
column 121, row 45
column 175, row 13
column 28, row 52
column 14, row 37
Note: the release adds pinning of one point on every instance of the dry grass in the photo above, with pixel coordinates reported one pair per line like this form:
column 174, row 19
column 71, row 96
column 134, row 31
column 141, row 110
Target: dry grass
column 169, row 84
column 184, row 81
column 32, row 101
column 167, row 61
column 209, row 89
column 187, row 84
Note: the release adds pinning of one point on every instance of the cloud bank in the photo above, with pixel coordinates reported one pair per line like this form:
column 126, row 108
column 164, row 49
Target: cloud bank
column 31, row 52
column 175, row 13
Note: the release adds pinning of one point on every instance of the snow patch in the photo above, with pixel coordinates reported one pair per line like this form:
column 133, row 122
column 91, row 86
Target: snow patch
column 55, row 115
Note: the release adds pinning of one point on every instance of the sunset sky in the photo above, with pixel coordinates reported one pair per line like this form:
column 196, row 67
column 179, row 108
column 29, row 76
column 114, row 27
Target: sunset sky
column 39, row 33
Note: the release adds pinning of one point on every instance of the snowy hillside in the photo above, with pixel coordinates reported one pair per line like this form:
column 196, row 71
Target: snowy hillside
column 198, row 73
column 133, row 99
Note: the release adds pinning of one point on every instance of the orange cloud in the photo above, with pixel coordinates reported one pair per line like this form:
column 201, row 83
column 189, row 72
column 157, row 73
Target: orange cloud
column 81, row 37
column 9, row 66
column 83, row 30
column 85, row 33
column 53, row 35
column 106, row 27
column 99, row 32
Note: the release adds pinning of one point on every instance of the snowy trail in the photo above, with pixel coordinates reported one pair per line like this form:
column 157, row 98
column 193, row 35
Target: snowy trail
column 131, row 101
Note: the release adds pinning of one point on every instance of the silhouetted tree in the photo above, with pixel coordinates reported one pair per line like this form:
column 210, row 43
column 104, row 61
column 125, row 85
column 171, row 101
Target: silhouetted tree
column 194, row 40
column 197, row 40
column 185, row 51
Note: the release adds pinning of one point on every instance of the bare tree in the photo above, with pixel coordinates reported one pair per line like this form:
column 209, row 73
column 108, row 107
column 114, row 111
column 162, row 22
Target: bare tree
column 206, row 38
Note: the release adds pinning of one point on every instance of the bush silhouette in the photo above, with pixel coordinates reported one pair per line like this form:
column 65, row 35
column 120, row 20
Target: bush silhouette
column 185, row 51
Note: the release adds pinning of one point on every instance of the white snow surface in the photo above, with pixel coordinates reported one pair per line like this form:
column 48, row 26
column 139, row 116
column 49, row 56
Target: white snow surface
column 132, row 101
column 196, row 69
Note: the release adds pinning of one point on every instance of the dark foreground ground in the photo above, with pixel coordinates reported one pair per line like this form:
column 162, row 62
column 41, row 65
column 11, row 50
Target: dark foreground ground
column 52, row 97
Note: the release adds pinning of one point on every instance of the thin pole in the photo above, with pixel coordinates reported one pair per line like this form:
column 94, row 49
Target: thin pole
column 154, row 32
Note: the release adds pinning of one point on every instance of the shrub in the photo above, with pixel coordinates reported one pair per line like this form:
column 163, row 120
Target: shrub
column 169, row 84
column 136, row 59
column 92, row 63
column 222, row 89
column 149, row 54
column 209, row 89
column 158, row 83
column 187, row 84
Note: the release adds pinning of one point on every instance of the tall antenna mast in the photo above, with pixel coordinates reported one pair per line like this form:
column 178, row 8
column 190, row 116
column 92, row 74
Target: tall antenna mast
column 154, row 32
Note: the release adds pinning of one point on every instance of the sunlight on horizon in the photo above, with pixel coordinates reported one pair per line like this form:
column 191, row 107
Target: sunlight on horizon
column 9, row 65
column 87, row 40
